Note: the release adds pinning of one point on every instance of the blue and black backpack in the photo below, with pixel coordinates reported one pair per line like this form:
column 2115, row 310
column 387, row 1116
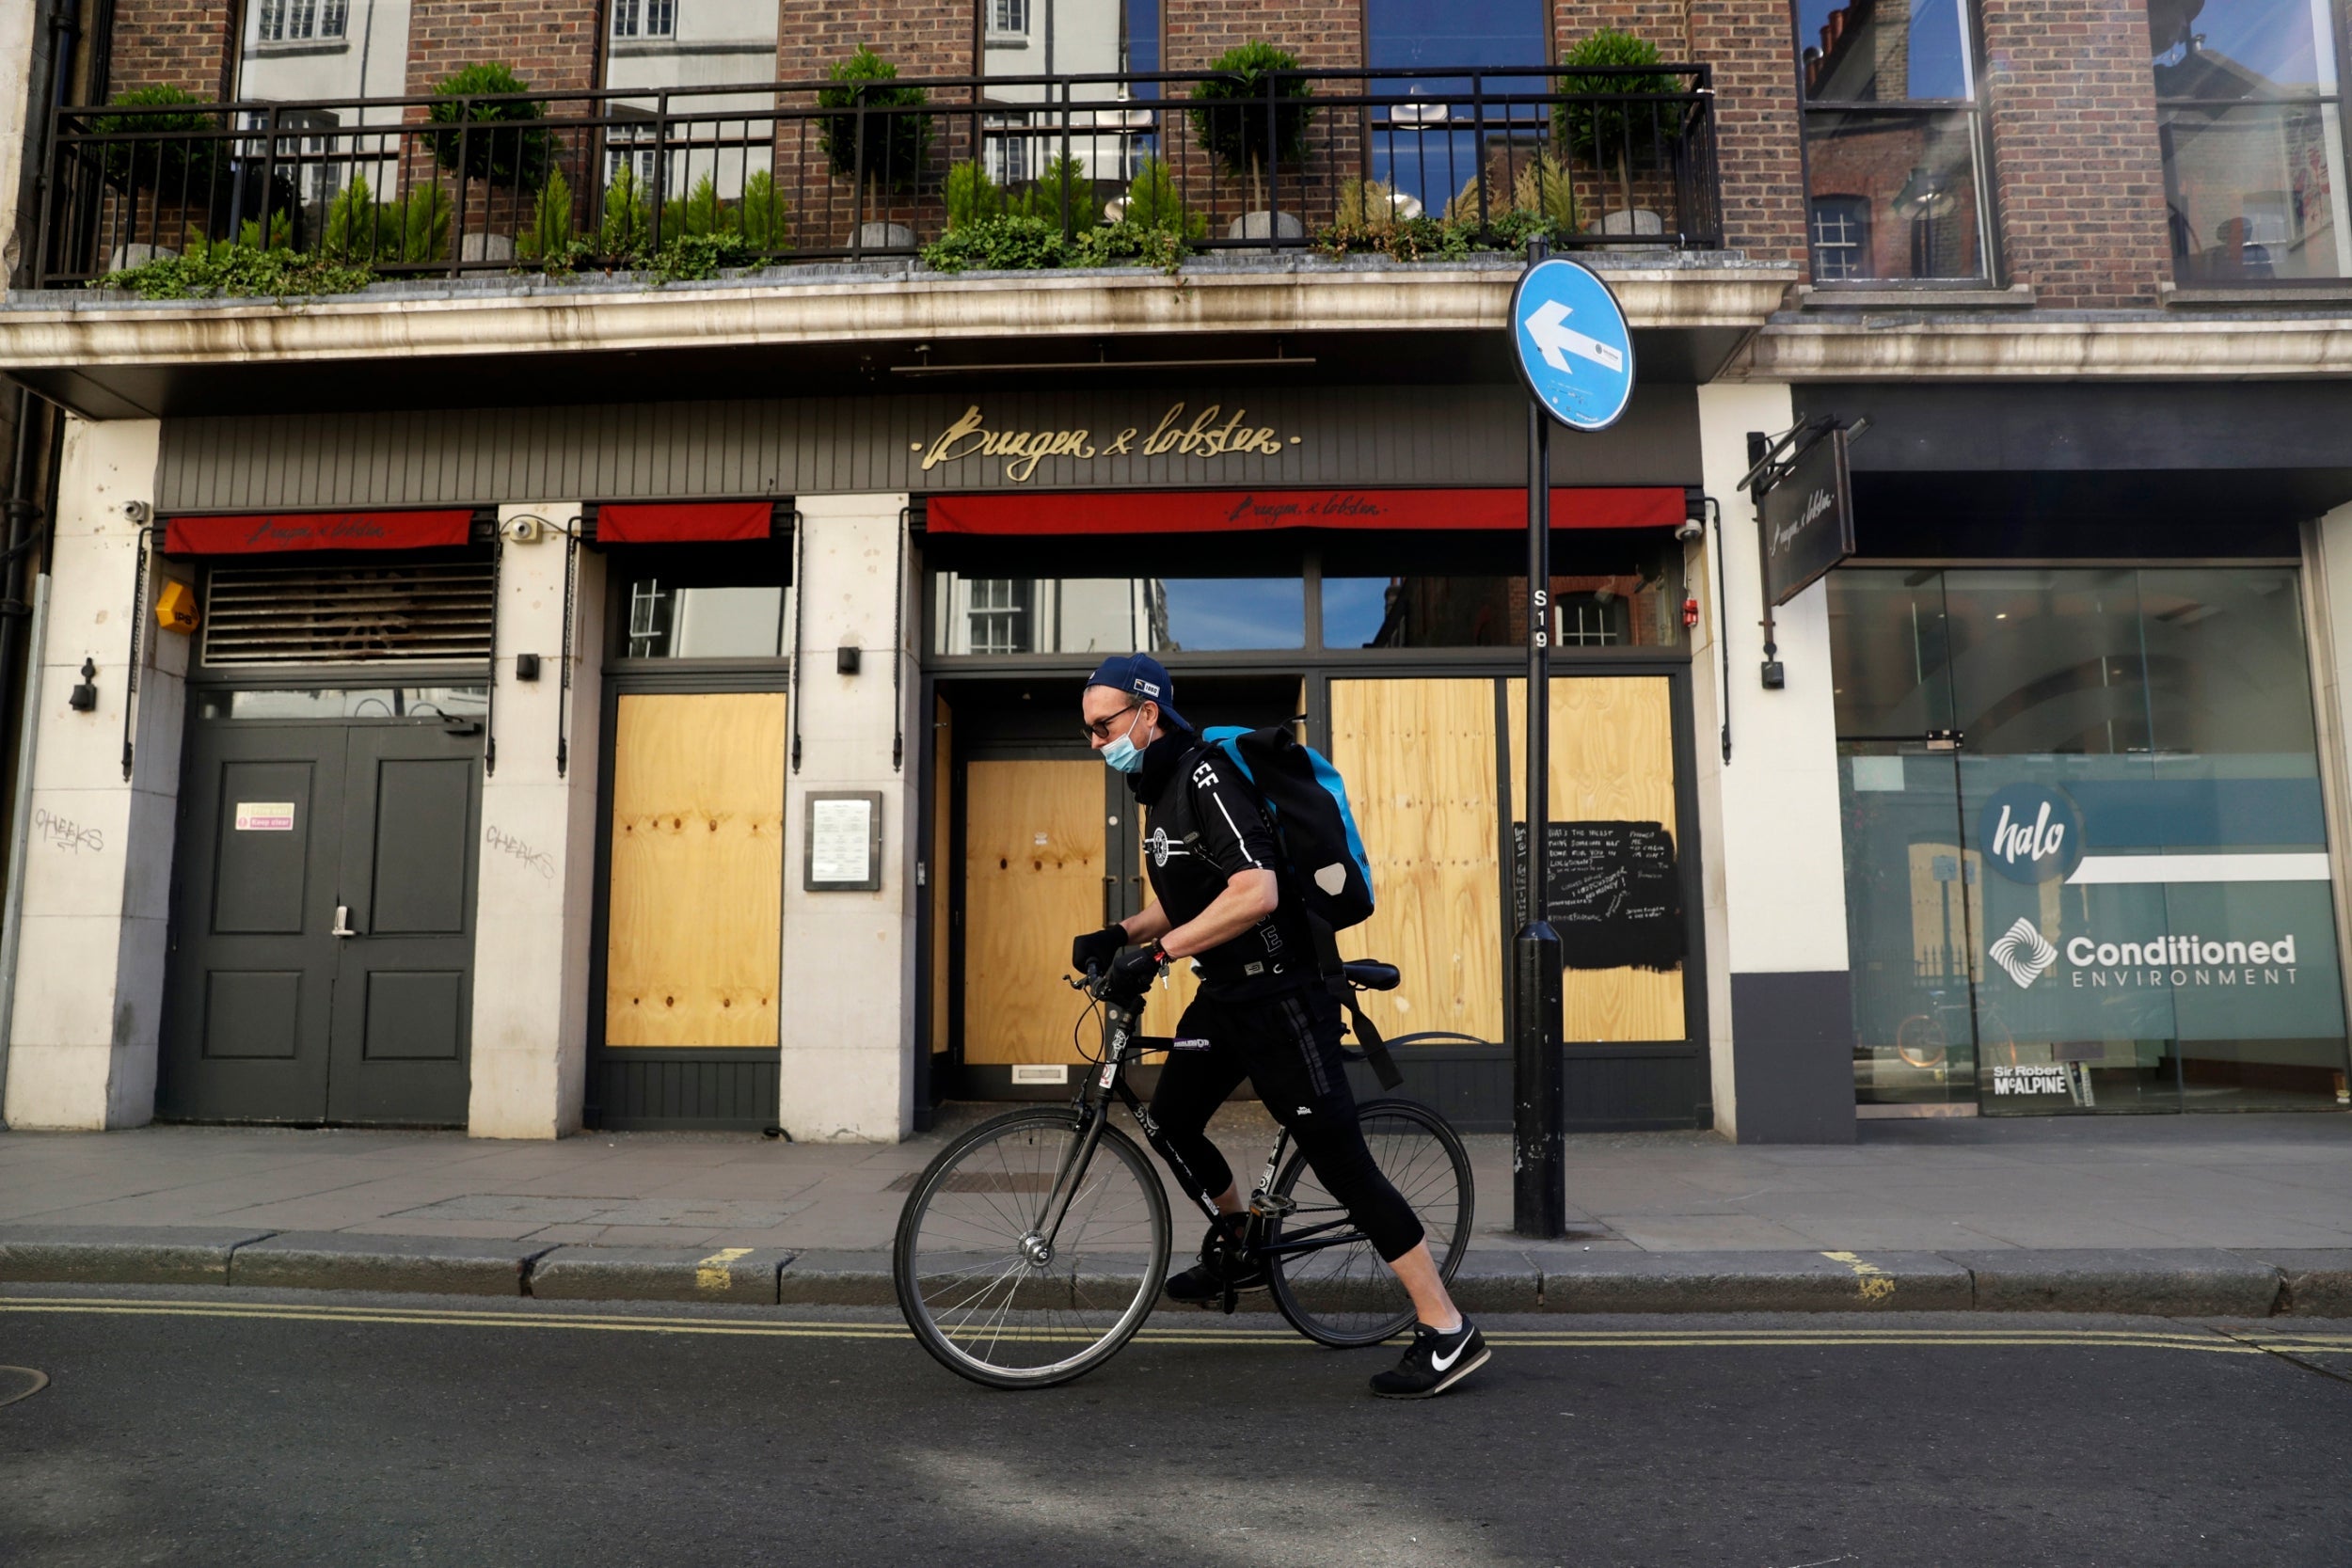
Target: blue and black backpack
column 1306, row 800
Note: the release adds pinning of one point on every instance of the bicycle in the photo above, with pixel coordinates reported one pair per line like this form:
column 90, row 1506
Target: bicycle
column 1034, row 1246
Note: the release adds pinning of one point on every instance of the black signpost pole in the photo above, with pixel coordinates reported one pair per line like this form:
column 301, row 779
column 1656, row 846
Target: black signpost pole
column 1538, row 1183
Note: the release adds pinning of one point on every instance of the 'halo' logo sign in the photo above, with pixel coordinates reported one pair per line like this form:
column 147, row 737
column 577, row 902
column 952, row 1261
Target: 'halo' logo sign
column 2031, row 833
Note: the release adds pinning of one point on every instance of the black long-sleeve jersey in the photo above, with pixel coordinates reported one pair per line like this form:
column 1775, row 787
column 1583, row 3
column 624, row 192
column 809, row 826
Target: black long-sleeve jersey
column 1203, row 825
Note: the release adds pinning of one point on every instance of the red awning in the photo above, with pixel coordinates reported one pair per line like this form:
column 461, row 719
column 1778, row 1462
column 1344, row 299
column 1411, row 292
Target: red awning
column 257, row 532
column 682, row 522
column 1243, row 510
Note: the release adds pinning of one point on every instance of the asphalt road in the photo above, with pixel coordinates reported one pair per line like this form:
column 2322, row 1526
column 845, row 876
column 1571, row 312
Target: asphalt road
column 193, row 1427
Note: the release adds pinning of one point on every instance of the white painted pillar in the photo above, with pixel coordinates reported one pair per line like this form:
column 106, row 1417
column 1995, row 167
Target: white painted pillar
column 536, row 889
column 847, row 1019
column 89, row 984
column 1780, row 1011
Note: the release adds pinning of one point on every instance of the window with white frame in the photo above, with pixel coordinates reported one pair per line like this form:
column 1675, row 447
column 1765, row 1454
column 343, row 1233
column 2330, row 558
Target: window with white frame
column 1842, row 238
column 644, row 19
column 1007, row 18
column 302, row 21
column 999, row 613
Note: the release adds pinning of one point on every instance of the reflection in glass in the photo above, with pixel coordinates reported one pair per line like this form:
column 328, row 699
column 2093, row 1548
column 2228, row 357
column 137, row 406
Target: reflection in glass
column 2255, row 191
column 2191, row 958
column 2252, row 134
column 1883, row 50
column 1105, row 615
column 1895, row 194
column 1627, row 610
column 1421, row 148
column 667, row 620
column 1069, row 38
column 374, row 702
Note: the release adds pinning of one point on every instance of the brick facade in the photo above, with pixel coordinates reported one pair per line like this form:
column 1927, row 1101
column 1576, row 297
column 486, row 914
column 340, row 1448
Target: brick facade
column 2077, row 168
column 1323, row 34
column 177, row 43
column 1758, row 141
column 551, row 44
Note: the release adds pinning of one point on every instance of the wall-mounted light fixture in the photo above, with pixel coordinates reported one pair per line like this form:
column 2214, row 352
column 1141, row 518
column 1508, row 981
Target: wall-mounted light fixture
column 83, row 698
column 845, row 660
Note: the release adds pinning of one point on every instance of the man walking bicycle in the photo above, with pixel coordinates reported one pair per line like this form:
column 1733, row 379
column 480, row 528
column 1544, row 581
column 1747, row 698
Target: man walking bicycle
column 1221, row 896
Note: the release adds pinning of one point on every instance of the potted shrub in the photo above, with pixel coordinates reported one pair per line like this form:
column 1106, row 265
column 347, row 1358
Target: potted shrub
column 489, row 133
column 885, row 151
column 189, row 174
column 1230, row 118
column 1614, row 139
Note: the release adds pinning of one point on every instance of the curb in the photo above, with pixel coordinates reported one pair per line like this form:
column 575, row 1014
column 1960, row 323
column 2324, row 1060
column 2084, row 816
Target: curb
column 2179, row 1282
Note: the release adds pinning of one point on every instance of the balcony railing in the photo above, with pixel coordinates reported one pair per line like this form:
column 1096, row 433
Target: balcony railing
column 807, row 172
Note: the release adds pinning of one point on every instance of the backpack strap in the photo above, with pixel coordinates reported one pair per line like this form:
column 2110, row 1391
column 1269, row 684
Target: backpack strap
column 1368, row 1041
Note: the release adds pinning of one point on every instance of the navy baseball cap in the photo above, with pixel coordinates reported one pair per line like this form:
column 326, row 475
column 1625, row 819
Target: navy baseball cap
column 1143, row 678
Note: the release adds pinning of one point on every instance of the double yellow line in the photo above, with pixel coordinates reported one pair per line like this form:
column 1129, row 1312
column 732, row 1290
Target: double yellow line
column 2213, row 1342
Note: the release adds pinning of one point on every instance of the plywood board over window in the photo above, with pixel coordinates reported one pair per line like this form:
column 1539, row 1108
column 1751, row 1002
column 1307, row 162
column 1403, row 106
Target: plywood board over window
column 1612, row 759
column 1419, row 757
column 1034, row 859
column 697, row 888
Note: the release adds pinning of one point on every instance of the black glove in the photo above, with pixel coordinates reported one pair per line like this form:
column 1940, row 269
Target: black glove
column 1096, row 949
column 1132, row 971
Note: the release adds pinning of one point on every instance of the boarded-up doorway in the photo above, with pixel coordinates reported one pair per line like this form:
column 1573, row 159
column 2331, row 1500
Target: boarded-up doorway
column 692, row 946
column 1035, row 864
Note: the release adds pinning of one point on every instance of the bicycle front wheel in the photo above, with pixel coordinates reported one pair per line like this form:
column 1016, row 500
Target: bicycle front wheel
column 1343, row 1293
column 992, row 1297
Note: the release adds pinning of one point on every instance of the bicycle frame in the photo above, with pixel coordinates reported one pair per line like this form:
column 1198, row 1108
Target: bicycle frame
column 1122, row 1046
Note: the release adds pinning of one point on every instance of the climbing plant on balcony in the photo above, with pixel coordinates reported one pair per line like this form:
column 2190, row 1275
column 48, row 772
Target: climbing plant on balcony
column 892, row 150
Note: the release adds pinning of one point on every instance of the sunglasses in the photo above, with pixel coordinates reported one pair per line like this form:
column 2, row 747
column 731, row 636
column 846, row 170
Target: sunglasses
column 1100, row 728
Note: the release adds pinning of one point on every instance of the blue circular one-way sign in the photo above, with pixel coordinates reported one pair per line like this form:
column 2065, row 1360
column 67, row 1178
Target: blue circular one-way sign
column 1574, row 348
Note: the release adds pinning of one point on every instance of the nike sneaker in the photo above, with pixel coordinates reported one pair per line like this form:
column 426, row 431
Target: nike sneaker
column 1204, row 1283
column 1433, row 1363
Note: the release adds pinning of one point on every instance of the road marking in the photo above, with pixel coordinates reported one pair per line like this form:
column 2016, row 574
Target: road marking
column 2212, row 1342
column 712, row 1273
column 1875, row 1284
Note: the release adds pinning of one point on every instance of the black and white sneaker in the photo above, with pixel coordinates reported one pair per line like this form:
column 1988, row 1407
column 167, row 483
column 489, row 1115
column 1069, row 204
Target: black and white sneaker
column 1204, row 1284
column 1433, row 1363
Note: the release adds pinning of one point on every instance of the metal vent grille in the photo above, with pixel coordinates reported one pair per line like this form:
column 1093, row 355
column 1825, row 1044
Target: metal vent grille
column 397, row 613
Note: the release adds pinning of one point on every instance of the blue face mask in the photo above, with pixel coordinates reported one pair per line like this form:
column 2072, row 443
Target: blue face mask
column 1123, row 755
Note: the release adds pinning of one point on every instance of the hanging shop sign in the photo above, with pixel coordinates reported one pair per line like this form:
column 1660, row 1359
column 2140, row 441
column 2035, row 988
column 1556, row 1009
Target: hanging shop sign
column 1207, row 433
column 260, row 533
column 1807, row 513
column 1250, row 511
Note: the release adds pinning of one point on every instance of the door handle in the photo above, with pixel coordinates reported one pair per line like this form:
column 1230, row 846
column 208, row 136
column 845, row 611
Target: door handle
column 343, row 922
column 461, row 726
column 1110, row 896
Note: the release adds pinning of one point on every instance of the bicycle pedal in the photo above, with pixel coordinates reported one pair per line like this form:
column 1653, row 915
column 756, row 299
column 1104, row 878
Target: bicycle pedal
column 1266, row 1206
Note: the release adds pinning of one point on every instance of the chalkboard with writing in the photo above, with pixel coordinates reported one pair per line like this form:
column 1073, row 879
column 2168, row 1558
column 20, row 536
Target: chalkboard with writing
column 1612, row 893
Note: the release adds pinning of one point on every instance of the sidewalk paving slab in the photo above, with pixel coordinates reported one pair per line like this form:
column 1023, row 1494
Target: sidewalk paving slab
column 2314, row 1282
column 658, row 1273
column 341, row 1261
column 2181, row 1282
column 121, row 1254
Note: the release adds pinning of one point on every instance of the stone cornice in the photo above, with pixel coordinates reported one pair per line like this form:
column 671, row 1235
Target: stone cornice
column 2119, row 345
column 88, row 332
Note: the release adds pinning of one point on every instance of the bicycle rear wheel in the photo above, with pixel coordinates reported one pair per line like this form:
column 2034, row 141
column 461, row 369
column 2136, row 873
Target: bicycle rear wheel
column 983, row 1290
column 1346, row 1294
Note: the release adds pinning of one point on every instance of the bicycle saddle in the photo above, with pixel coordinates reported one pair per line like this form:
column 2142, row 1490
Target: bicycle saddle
column 1366, row 974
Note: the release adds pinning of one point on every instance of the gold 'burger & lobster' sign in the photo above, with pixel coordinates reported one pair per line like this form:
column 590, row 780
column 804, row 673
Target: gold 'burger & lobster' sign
column 1211, row 432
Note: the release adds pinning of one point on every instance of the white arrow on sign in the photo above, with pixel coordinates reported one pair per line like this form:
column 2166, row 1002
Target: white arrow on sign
column 1549, row 328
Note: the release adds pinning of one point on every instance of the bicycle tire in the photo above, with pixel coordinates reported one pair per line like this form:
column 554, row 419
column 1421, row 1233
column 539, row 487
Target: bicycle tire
column 1093, row 1293
column 1346, row 1296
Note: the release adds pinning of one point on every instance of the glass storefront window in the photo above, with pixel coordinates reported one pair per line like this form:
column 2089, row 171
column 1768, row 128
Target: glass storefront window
column 2109, row 875
column 2250, row 119
column 1626, row 609
column 671, row 619
column 371, row 701
column 1101, row 615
